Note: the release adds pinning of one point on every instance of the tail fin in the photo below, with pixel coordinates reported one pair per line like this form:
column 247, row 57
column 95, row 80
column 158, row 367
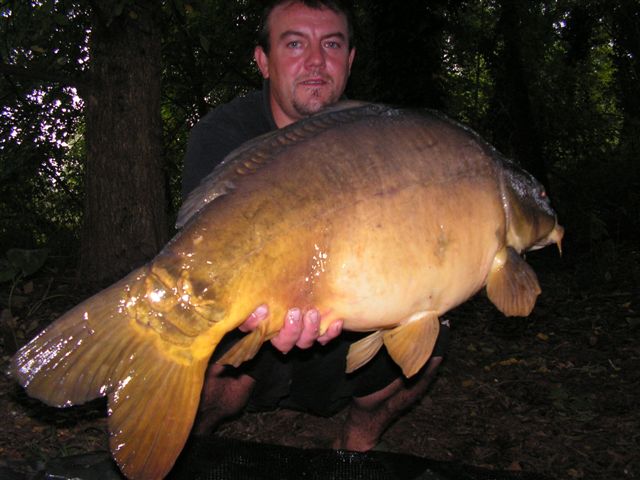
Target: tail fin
column 97, row 349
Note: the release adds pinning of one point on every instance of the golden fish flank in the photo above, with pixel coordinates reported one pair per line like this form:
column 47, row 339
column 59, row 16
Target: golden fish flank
column 318, row 262
column 404, row 215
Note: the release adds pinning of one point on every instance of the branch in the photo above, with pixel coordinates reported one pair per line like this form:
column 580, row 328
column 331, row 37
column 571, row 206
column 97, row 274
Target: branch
column 42, row 75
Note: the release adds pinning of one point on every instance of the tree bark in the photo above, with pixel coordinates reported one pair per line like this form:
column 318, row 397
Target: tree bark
column 627, row 60
column 125, row 205
column 401, row 61
column 512, row 107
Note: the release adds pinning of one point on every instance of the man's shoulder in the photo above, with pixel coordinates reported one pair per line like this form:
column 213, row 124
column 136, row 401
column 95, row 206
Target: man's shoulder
column 220, row 131
column 246, row 111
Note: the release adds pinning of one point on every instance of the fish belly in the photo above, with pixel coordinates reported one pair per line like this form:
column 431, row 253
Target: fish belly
column 425, row 248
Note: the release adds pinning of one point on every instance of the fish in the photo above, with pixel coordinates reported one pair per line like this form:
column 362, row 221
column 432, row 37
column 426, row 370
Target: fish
column 384, row 217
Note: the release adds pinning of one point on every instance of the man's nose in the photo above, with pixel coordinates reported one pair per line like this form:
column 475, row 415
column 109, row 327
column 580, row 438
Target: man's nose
column 315, row 56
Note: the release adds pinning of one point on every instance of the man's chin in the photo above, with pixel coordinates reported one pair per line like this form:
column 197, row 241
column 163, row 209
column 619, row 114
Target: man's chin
column 311, row 106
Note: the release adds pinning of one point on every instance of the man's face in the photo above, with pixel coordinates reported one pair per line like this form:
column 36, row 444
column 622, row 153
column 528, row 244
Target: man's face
column 308, row 63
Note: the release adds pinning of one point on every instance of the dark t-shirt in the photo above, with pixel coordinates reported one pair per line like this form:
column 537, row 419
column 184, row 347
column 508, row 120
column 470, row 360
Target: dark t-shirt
column 222, row 130
column 314, row 379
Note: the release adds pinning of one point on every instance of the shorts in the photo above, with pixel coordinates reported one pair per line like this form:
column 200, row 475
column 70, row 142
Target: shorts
column 314, row 380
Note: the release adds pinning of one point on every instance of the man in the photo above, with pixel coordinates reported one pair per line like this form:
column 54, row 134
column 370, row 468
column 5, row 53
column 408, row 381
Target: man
column 305, row 53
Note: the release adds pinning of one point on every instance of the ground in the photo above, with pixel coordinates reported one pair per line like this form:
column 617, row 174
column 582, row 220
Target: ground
column 554, row 393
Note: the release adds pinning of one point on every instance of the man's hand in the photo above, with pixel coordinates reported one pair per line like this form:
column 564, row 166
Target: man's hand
column 298, row 330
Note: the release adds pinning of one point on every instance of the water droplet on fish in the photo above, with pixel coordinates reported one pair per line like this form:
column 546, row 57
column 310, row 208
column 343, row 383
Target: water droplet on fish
column 156, row 295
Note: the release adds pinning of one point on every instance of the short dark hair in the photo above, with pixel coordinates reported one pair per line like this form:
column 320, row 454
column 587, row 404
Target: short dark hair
column 337, row 6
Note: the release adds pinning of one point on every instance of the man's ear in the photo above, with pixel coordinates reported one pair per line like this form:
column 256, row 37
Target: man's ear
column 262, row 60
column 352, row 55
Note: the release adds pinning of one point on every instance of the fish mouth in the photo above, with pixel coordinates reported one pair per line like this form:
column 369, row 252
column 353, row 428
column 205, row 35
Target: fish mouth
column 555, row 236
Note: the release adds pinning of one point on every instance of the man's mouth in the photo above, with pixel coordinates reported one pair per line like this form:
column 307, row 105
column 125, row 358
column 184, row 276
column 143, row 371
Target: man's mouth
column 313, row 82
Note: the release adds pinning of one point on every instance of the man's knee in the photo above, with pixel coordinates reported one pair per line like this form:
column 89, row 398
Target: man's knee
column 409, row 391
column 225, row 391
column 432, row 366
column 374, row 400
column 425, row 376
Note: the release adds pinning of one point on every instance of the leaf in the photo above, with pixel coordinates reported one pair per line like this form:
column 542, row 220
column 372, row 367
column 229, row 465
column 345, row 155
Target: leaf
column 575, row 473
column 19, row 300
column 61, row 20
column 28, row 288
column 7, row 271
column 204, row 41
column 7, row 318
column 633, row 321
column 558, row 396
column 515, row 466
column 27, row 261
column 119, row 8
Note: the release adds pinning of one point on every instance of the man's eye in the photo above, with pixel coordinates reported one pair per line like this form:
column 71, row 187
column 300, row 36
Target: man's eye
column 332, row 44
column 293, row 44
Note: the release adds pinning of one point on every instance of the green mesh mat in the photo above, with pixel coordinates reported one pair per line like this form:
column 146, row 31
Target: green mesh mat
column 214, row 458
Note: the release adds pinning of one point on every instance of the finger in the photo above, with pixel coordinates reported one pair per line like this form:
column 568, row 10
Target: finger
column 252, row 321
column 332, row 332
column 288, row 335
column 310, row 329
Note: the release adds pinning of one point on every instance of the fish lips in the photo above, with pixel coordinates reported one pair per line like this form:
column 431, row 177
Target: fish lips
column 555, row 236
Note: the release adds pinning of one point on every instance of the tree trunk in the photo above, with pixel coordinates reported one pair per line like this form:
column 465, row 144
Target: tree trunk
column 512, row 104
column 627, row 60
column 125, row 203
column 402, row 66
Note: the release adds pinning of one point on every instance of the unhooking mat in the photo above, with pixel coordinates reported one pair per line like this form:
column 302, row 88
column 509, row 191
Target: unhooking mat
column 214, row 458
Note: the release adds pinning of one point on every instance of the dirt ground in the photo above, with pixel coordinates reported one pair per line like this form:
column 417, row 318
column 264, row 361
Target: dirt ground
column 555, row 393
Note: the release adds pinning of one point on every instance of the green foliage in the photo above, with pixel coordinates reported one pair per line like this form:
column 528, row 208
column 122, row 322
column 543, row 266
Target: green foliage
column 43, row 54
column 398, row 58
column 466, row 54
column 208, row 60
column 40, row 172
column 20, row 263
column 578, row 61
column 17, row 265
column 570, row 52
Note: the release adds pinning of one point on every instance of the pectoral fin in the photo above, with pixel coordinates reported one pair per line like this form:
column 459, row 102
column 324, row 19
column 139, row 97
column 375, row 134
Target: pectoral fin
column 512, row 284
column 363, row 350
column 410, row 345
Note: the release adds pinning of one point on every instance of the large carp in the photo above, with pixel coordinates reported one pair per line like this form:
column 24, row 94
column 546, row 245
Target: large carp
column 385, row 218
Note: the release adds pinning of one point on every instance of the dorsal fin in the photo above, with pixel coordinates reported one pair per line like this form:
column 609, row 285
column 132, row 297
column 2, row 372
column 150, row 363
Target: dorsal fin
column 255, row 153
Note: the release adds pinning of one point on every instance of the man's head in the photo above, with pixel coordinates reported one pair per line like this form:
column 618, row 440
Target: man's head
column 305, row 50
column 336, row 6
